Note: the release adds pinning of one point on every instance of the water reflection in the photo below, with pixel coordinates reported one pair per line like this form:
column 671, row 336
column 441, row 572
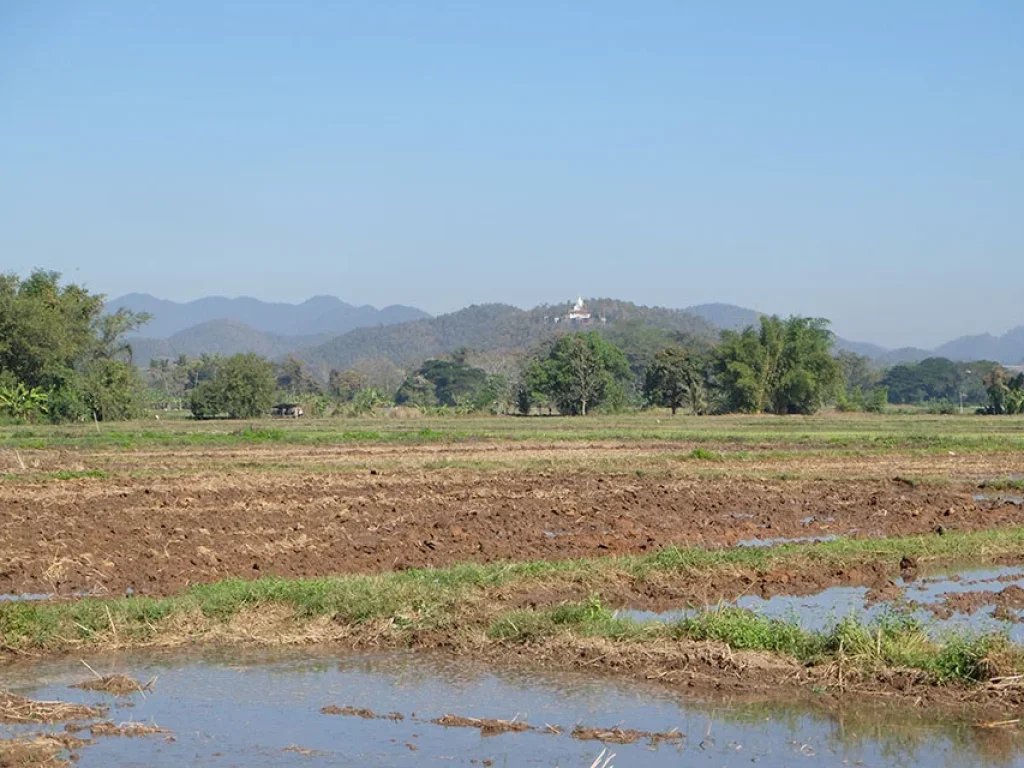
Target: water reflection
column 230, row 707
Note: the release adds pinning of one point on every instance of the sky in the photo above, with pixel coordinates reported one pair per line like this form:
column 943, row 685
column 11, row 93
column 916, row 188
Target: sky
column 861, row 161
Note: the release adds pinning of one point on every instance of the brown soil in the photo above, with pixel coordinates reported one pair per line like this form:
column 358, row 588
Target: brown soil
column 366, row 714
column 1006, row 602
column 158, row 536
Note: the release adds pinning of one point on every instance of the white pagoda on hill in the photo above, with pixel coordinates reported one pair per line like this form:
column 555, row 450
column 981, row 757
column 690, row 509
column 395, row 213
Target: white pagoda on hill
column 579, row 311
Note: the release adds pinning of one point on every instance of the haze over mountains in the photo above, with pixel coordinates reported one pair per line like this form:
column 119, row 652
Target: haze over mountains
column 329, row 333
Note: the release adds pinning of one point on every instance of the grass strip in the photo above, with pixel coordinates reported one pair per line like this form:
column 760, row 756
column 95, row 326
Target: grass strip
column 432, row 600
column 896, row 640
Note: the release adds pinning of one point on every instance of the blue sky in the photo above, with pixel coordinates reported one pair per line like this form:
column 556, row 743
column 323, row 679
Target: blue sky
column 859, row 161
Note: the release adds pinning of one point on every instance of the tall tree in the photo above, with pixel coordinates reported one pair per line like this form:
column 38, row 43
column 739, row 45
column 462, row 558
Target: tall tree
column 786, row 366
column 242, row 387
column 1005, row 392
column 677, row 379
column 578, row 371
column 53, row 336
column 294, row 378
column 345, row 384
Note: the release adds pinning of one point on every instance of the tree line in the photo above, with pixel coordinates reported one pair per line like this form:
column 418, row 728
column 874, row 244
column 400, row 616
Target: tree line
column 63, row 359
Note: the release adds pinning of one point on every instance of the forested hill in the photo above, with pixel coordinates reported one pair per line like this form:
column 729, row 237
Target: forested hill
column 221, row 337
column 490, row 327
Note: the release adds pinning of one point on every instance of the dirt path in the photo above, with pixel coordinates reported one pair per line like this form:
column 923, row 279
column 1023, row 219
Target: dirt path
column 158, row 536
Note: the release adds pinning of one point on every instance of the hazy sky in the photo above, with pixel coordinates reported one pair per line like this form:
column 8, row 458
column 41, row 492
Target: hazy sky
column 859, row 161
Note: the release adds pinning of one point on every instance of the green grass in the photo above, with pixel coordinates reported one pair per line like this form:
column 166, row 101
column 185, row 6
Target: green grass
column 827, row 432
column 1003, row 484
column 892, row 641
column 64, row 474
column 425, row 600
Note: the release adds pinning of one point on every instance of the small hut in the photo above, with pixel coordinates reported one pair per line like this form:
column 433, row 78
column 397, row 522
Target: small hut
column 288, row 410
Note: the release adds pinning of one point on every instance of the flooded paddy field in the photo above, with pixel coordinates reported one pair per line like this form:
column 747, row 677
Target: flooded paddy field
column 261, row 708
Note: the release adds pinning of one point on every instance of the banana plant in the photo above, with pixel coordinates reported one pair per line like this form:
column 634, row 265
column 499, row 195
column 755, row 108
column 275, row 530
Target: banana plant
column 21, row 402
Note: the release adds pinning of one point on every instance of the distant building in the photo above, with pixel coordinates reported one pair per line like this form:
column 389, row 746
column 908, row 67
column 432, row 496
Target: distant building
column 289, row 410
column 579, row 311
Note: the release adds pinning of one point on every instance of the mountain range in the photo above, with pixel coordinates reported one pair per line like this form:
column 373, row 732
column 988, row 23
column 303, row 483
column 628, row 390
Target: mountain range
column 329, row 333
column 320, row 314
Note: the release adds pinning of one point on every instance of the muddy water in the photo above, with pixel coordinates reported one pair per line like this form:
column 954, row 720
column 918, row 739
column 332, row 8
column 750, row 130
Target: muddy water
column 930, row 599
column 263, row 709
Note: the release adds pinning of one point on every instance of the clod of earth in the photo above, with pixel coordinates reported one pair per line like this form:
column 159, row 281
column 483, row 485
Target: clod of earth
column 107, row 728
column 366, row 714
column 624, row 735
column 118, row 685
column 488, row 726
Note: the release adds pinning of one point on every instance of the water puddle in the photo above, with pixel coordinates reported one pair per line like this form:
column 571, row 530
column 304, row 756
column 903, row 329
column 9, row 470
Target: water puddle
column 1003, row 497
column 779, row 541
column 259, row 708
column 937, row 600
column 32, row 597
column 24, row 598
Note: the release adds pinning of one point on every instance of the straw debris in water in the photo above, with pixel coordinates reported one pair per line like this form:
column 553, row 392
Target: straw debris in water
column 488, row 726
column 118, row 685
column 107, row 728
column 19, row 709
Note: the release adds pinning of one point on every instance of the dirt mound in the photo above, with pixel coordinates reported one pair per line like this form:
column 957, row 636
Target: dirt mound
column 366, row 714
column 488, row 726
column 118, row 685
column 41, row 749
column 107, row 728
column 623, row 735
column 1011, row 597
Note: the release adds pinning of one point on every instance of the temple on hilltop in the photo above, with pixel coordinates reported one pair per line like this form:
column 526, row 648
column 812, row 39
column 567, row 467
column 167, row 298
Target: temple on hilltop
column 579, row 311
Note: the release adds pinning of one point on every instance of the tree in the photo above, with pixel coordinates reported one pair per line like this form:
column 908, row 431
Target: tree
column 246, row 384
column 111, row 330
column 295, row 379
column 443, row 383
column 53, row 335
column 577, row 371
column 1005, row 392
column 785, row 367
column 677, row 379
column 205, row 401
column 937, row 379
column 858, row 372
column 242, row 387
column 417, row 391
column 345, row 384
column 113, row 390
